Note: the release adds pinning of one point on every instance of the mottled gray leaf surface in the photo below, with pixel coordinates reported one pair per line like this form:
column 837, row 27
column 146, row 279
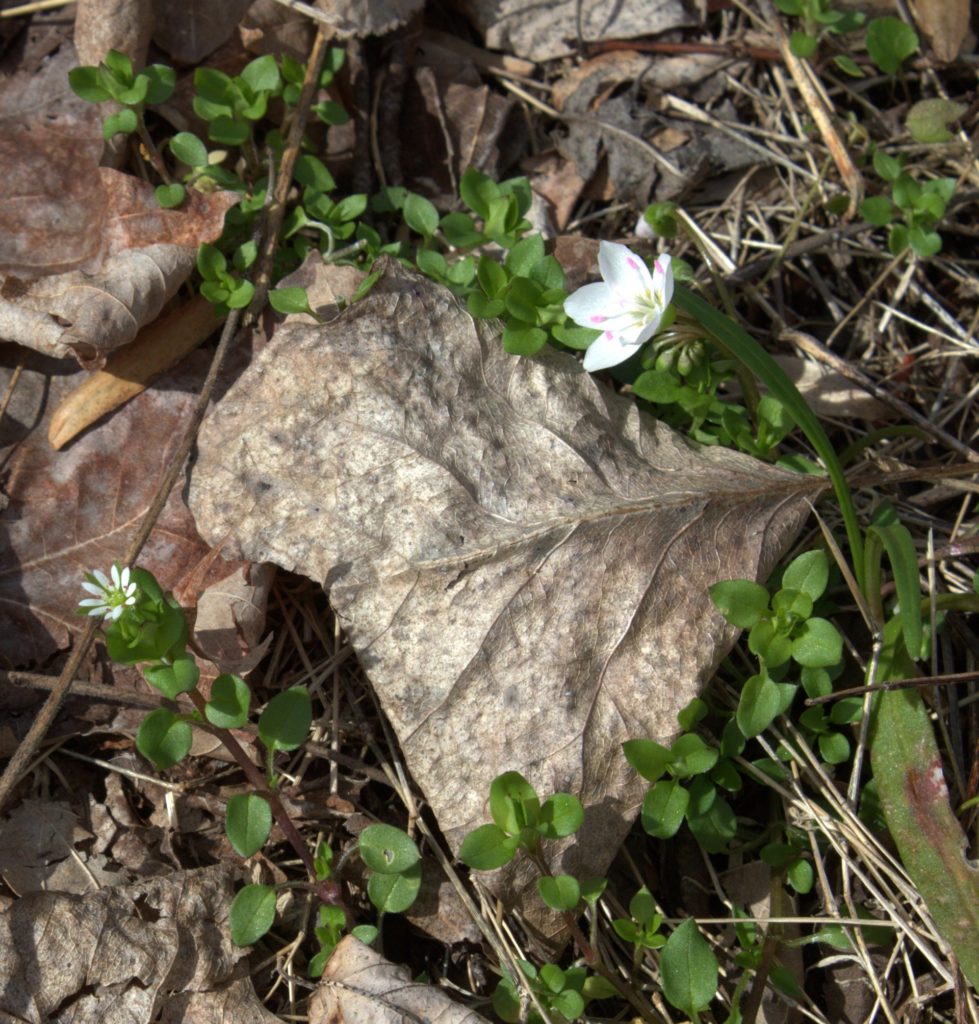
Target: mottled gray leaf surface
column 520, row 557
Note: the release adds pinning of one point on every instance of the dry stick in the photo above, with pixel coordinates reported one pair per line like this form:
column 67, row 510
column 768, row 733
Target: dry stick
column 801, row 75
column 45, row 718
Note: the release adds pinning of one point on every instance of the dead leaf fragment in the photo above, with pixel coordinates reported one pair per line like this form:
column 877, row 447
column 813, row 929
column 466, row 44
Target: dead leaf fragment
column 358, row 984
column 945, row 23
column 545, row 31
column 520, row 557
column 190, row 30
column 360, row 18
column 117, row 955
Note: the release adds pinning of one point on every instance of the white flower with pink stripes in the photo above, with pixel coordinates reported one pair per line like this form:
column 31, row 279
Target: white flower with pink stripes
column 627, row 305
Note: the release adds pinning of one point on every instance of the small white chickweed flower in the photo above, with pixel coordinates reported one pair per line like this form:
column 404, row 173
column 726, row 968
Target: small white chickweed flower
column 109, row 596
column 627, row 305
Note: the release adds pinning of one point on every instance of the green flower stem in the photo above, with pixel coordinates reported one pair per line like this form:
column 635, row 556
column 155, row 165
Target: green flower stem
column 255, row 777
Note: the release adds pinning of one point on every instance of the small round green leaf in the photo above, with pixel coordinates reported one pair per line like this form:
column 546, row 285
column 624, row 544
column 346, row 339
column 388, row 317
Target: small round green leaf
column 262, row 74
column 84, row 83
column 487, row 848
column 689, row 970
column 663, row 808
column 180, row 676
column 759, row 705
column 289, row 300
column 513, row 802
column 460, row 231
column 890, row 42
column 522, row 339
column 927, row 120
column 170, row 196
column 561, row 815
column 228, row 131
column 387, row 849
column 230, row 699
column 818, row 644
column 252, row 913
column 560, row 893
column 878, row 210
column 123, row 123
column 808, row 573
column 313, row 173
column 420, row 215
column 163, row 738
column 285, row 722
column 162, row 80
column 189, row 149
column 240, row 295
column 394, row 894
column 648, row 758
column 741, row 602
column 248, row 821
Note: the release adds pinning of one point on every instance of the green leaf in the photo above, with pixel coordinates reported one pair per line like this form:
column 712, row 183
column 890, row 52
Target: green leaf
column 769, row 643
column 886, row 166
column 189, row 149
column 897, row 541
column 492, row 277
column 395, row 893
column 285, row 722
column 420, row 215
column 663, row 808
column 808, row 573
column 818, row 644
column 689, row 970
column 432, row 263
column 154, row 640
column 161, row 80
column 180, row 676
column 897, row 240
column 890, row 42
column 163, row 738
column 561, row 815
column 387, row 849
column 710, row 817
column 330, row 112
column 523, row 339
column 211, row 262
column 742, row 602
column 477, row 191
column 229, row 703
column 125, row 123
column 460, row 231
column 487, row 847
column 694, row 712
column 802, row 44
column 524, row 255
column 848, row 65
column 834, row 748
column 262, row 74
column 120, row 65
column 759, row 705
column 240, row 295
column 560, row 892
column 228, row 131
column 925, row 243
column 569, row 1004
column 522, row 300
column 252, row 913
column 661, row 217
column 84, row 82
column 792, row 7
column 578, row 338
column 514, row 804
column 692, row 756
column 290, row 300
column 212, row 85
column 649, row 758
column 878, row 210
column 248, row 821
column 927, row 120
column 170, row 196
column 313, row 173
column 484, row 308
column 661, row 387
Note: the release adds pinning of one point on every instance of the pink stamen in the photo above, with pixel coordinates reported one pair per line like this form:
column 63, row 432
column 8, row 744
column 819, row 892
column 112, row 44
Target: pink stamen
column 609, row 335
column 632, row 263
column 598, row 319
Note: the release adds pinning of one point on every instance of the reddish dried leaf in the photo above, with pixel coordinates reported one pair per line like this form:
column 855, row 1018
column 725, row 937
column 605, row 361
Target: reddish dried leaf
column 77, row 509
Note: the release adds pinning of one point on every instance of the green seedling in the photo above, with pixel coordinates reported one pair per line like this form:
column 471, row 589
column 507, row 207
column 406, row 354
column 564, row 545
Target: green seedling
column 819, row 19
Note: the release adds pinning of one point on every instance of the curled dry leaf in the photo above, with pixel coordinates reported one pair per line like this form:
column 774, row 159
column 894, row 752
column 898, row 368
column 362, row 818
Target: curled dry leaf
column 360, row 18
column 118, row 956
column 358, row 984
column 520, row 557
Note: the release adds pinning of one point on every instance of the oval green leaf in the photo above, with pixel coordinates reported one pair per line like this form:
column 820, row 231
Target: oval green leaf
column 248, row 821
column 386, row 849
column 252, row 913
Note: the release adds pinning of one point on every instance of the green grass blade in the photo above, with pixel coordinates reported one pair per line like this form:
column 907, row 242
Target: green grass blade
column 735, row 340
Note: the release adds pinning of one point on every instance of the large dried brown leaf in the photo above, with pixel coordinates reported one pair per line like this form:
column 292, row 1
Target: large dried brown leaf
column 521, row 558
column 123, row 955
column 189, row 30
column 358, row 984
column 945, row 23
column 77, row 509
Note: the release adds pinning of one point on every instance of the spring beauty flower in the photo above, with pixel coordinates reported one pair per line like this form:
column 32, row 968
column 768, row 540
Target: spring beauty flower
column 110, row 597
column 627, row 305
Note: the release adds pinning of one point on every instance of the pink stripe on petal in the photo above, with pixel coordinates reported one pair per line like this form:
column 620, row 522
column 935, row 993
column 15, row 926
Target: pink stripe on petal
column 659, row 267
column 598, row 319
column 632, row 263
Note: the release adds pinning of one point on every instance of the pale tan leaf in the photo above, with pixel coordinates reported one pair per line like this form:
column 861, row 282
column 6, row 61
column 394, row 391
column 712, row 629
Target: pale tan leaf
column 945, row 23
column 359, row 18
column 119, row 955
column 360, row 987
column 521, row 558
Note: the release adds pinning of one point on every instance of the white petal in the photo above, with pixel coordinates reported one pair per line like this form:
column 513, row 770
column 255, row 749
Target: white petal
column 130, row 591
column 124, row 579
column 131, row 599
column 606, row 351
column 663, row 279
column 590, row 305
column 103, row 579
column 92, row 602
column 98, row 613
column 643, row 229
column 114, row 571
column 622, row 270
column 114, row 613
column 92, row 588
